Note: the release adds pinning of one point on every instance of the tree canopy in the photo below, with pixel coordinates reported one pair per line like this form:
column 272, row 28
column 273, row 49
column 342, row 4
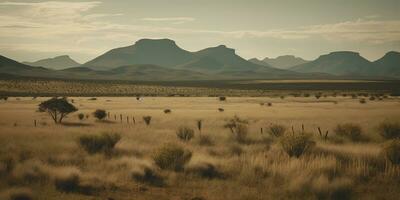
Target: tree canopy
column 57, row 108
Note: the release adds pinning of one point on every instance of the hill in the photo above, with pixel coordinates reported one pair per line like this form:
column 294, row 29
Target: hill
column 59, row 62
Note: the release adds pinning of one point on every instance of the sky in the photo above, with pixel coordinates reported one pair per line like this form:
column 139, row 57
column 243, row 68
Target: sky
column 35, row 29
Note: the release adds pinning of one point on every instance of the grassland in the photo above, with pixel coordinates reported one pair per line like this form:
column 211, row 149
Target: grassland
column 34, row 158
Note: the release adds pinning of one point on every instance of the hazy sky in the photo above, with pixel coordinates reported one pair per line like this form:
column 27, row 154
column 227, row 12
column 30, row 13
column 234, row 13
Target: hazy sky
column 35, row 29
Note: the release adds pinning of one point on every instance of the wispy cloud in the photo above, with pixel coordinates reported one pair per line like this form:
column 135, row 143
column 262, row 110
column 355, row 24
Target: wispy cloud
column 174, row 20
column 75, row 26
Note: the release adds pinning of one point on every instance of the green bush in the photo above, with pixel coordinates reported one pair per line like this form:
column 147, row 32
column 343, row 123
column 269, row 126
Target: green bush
column 100, row 114
column 296, row 145
column 172, row 157
column 389, row 130
column 276, row 130
column 391, row 150
column 350, row 131
column 185, row 133
column 99, row 143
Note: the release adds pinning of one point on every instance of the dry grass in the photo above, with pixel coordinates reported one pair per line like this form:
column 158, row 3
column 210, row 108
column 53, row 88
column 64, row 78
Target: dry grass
column 48, row 161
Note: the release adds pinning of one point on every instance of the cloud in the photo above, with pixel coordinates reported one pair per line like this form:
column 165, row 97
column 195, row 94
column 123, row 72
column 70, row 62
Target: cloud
column 174, row 20
column 74, row 26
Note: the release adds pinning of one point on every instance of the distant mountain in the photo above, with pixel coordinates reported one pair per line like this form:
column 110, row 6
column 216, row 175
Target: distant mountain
column 388, row 65
column 9, row 66
column 337, row 63
column 163, row 52
column 59, row 62
column 280, row 62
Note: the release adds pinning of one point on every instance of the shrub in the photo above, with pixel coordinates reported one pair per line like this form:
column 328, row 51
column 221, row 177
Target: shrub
column 81, row 116
column 350, row 131
column 222, row 98
column 100, row 114
column 205, row 140
column 99, row 143
column 238, row 128
column 276, row 130
column 185, row 133
column 391, row 150
column 269, row 104
column 147, row 120
column 172, row 157
column 167, row 111
column 221, row 110
column 18, row 194
column 3, row 98
column 363, row 101
column 389, row 130
column 93, row 99
column 297, row 145
column 67, row 182
column 235, row 150
column 372, row 98
column 146, row 174
column 203, row 170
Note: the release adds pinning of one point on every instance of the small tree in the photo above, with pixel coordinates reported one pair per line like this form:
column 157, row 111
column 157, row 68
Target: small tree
column 100, row 114
column 57, row 108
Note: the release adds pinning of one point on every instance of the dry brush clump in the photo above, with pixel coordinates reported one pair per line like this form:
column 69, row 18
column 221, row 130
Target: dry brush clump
column 276, row 130
column 238, row 128
column 297, row 144
column 17, row 194
column 350, row 131
column 391, row 150
column 185, row 133
column 389, row 130
column 172, row 157
column 147, row 120
column 100, row 114
column 103, row 143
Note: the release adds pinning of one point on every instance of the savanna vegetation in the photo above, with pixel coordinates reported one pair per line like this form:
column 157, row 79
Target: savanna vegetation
column 257, row 148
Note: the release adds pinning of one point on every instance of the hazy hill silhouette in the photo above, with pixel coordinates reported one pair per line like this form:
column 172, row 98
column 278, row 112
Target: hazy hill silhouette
column 280, row 62
column 59, row 62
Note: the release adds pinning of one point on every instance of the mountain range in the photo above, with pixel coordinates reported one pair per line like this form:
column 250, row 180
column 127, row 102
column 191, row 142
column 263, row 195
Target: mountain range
column 163, row 59
column 59, row 62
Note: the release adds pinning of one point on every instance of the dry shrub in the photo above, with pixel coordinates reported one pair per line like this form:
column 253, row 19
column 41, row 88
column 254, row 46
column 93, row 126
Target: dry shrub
column 103, row 143
column 205, row 140
column 147, row 120
column 81, row 116
column 297, row 145
column 100, row 114
column 67, row 180
column 222, row 98
column 145, row 173
column 391, row 150
column 172, row 157
column 17, row 194
column 185, row 133
column 276, row 130
column 31, row 171
column 238, row 128
column 235, row 150
column 7, row 164
column 167, row 111
column 389, row 130
column 338, row 188
column 363, row 101
column 203, row 170
column 350, row 131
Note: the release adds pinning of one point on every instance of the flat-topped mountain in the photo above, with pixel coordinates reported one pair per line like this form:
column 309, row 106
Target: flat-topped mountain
column 162, row 52
column 59, row 62
column 337, row 63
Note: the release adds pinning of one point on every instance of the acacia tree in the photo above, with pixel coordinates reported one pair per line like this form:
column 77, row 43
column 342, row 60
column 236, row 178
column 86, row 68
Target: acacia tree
column 57, row 108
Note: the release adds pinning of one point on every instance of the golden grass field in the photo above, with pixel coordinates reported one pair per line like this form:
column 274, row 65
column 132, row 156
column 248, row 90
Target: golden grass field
column 32, row 158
